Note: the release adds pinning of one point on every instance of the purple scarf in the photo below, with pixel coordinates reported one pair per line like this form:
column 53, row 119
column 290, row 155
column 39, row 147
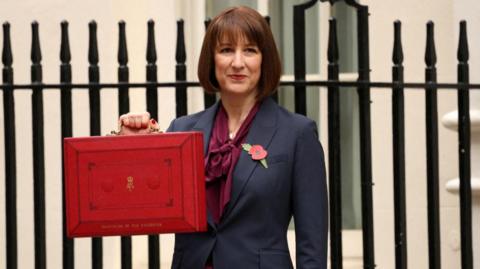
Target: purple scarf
column 223, row 154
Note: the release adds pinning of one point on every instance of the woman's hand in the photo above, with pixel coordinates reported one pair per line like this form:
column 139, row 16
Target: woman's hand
column 134, row 123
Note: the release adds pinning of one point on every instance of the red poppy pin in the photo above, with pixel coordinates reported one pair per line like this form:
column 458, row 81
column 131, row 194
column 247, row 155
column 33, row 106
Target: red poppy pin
column 257, row 152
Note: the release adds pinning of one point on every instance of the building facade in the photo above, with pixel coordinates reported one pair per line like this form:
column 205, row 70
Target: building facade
column 414, row 15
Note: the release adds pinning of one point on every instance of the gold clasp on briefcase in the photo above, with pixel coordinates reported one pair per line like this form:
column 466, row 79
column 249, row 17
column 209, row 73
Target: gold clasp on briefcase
column 130, row 185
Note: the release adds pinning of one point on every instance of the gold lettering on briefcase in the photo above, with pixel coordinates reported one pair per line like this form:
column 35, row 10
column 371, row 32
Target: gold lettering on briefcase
column 130, row 185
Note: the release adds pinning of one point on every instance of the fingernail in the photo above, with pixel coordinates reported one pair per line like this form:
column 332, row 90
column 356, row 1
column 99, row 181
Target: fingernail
column 153, row 121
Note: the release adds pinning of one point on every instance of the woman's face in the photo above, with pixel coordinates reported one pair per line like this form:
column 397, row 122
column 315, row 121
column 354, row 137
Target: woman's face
column 238, row 67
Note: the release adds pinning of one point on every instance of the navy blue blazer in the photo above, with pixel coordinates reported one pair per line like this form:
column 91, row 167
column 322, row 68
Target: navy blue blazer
column 253, row 229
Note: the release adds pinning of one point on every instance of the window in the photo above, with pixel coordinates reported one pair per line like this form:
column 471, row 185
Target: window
column 349, row 119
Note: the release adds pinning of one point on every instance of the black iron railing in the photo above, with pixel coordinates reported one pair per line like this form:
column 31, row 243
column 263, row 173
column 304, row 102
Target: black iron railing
column 398, row 122
column 363, row 86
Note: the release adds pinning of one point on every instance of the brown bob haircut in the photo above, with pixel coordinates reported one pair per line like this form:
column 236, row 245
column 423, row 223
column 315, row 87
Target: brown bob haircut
column 233, row 24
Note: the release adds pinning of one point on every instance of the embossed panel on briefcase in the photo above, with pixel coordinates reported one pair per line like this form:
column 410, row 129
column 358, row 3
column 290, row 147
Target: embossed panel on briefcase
column 142, row 184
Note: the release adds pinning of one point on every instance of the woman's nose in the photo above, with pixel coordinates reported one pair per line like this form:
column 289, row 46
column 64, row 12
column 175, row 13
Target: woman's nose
column 238, row 61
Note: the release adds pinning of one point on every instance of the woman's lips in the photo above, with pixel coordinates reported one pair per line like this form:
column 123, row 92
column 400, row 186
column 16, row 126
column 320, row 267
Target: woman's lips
column 237, row 77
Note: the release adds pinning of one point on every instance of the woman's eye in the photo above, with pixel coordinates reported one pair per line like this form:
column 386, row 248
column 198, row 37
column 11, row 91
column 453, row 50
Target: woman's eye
column 251, row 50
column 226, row 50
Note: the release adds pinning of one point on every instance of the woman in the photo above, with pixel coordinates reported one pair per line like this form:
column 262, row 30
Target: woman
column 263, row 164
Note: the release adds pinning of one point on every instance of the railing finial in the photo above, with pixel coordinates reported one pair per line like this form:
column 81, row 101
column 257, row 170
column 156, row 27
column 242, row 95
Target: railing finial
column 430, row 54
column 180, row 54
column 92, row 43
column 151, row 51
column 397, row 57
column 207, row 22
column 65, row 55
column 36, row 54
column 267, row 19
column 462, row 53
column 122, row 44
column 332, row 51
column 7, row 57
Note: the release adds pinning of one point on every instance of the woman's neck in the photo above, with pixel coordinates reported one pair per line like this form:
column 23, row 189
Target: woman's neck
column 237, row 110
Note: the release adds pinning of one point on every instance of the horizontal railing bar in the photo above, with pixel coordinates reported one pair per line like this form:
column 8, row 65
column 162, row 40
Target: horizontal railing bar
column 325, row 83
column 373, row 84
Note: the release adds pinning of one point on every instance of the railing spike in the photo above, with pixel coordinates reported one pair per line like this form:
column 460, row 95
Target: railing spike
column 65, row 55
column 7, row 57
column 180, row 72
column 430, row 54
column 267, row 19
column 122, row 44
column 207, row 22
column 180, row 54
column 36, row 54
column 151, row 72
column 462, row 53
column 151, row 51
column 332, row 51
column 397, row 57
column 92, row 43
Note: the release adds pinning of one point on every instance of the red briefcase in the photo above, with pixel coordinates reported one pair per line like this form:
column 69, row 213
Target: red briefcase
column 142, row 184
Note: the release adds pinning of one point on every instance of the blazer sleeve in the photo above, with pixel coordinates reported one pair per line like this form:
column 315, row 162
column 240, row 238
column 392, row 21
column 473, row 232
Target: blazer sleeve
column 171, row 127
column 310, row 201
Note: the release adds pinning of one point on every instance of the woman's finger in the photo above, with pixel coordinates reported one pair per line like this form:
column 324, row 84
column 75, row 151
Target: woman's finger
column 131, row 122
column 154, row 124
column 134, row 123
column 145, row 119
column 124, row 121
column 137, row 119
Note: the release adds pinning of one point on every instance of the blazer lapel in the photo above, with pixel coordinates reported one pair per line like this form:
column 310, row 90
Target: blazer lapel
column 205, row 124
column 261, row 133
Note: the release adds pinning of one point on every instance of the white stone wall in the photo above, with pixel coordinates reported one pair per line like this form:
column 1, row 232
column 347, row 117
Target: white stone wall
column 49, row 14
column 413, row 13
column 468, row 10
